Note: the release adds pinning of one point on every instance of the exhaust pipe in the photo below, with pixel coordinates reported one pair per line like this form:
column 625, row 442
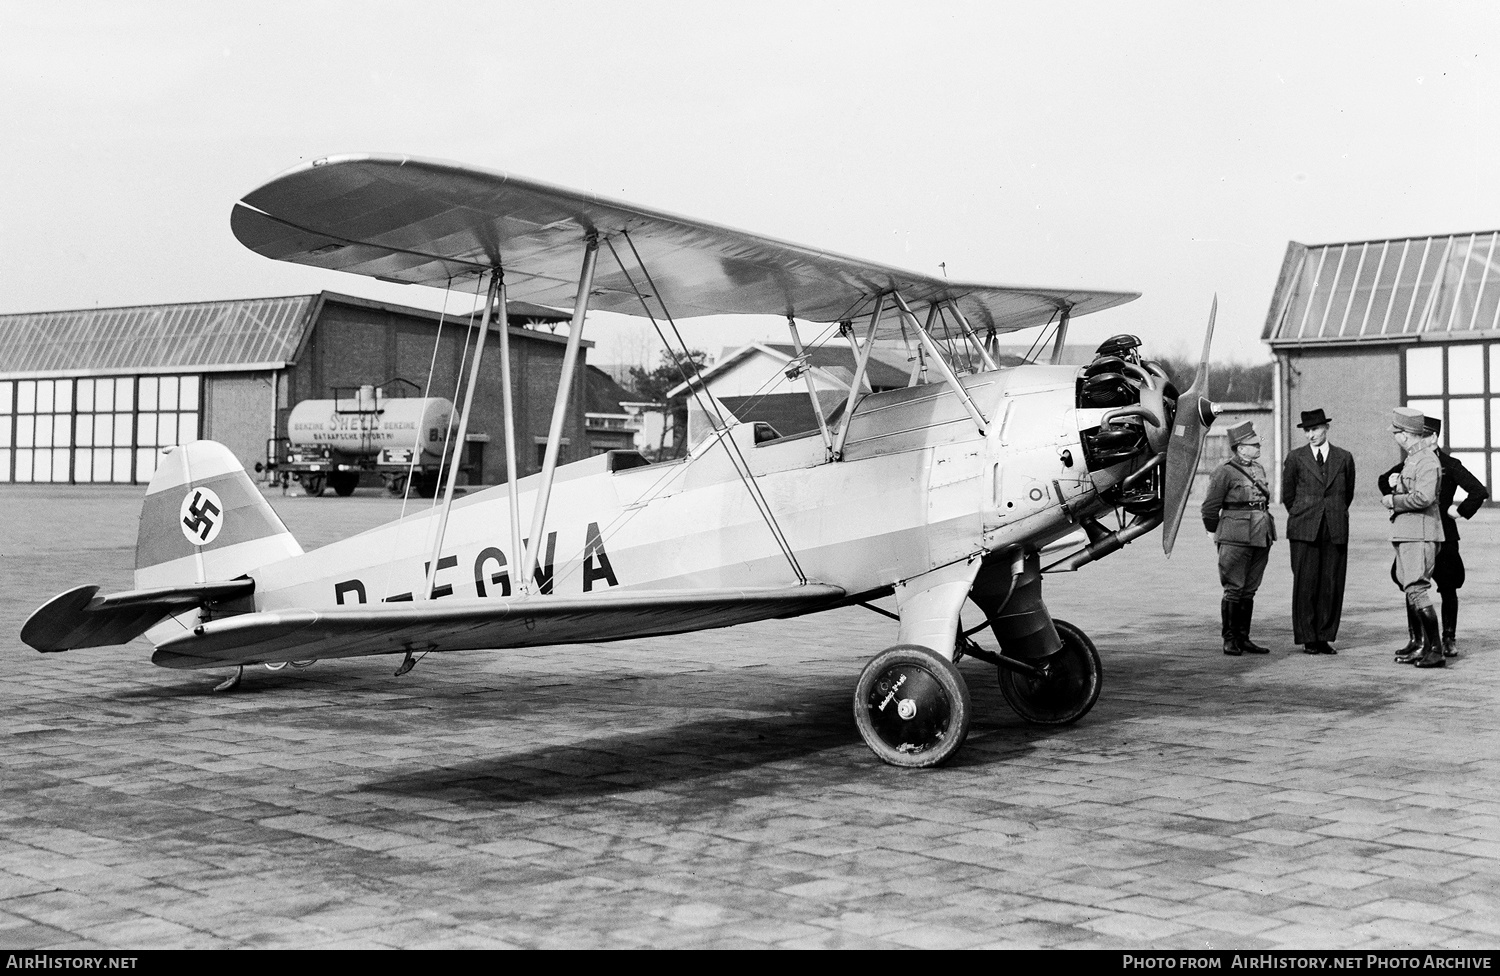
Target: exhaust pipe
column 1102, row 545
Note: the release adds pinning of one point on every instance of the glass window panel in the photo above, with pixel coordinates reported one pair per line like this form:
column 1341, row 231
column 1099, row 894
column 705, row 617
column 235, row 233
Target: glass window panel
column 122, row 430
column 43, row 396
column 101, row 464
column 26, row 398
column 145, row 429
column 25, row 425
column 1413, row 285
column 1465, row 368
column 85, row 431
column 1424, row 371
column 7, row 395
column 4, row 465
column 60, row 460
column 121, row 456
column 187, row 428
column 124, row 394
column 85, row 396
column 62, row 396
column 145, row 464
column 1465, row 425
column 1343, row 292
column 187, row 393
column 5, row 426
column 43, row 432
column 104, row 429
column 1475, row 462
column 167, row 393
column 83, row 467
column 166, row 430
column 62, row 430
column 104, row 394
column 41, row 466
column 145, row 393
column 1366, row 292
column 23, row 465
column 1494, row 350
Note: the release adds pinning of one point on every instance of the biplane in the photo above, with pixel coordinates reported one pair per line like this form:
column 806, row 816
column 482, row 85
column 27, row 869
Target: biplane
column 954, row 489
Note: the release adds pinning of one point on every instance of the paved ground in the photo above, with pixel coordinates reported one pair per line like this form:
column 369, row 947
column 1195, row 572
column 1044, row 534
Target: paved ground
column 711, row 790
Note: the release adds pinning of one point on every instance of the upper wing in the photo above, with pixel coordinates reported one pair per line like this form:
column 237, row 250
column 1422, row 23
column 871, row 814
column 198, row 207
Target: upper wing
column 79, row 618
column 426, row 222
column 472, row 624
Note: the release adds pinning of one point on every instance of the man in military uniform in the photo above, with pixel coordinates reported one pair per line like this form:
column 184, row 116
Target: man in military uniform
column 1317, row 486
column 1417, row 530
column 1236, row 512
column 1448, row 574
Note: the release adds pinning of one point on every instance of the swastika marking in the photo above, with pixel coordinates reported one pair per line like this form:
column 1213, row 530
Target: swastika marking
column 202, row 516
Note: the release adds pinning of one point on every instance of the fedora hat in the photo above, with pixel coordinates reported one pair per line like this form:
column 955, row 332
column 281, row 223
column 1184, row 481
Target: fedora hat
column 1313, row 418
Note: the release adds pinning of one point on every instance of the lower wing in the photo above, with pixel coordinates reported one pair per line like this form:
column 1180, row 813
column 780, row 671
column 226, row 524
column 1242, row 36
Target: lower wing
column 473, row 624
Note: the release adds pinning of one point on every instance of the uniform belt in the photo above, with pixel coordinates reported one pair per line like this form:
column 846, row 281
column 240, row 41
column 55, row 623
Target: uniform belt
column 1257, row 506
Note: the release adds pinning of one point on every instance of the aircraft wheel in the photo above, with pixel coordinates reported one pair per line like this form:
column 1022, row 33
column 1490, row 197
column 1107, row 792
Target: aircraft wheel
column 912, row 706
column 312, row 484
column 1068, row 689
column 344, row 482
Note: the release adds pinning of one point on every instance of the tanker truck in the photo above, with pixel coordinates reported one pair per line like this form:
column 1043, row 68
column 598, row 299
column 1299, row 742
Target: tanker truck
column 330, row 443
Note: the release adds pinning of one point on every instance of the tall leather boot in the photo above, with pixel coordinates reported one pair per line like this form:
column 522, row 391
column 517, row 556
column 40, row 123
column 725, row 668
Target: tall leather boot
column 1413, row 648
column 1245, row 610
column 1432, row 641
column 1227, row 610
column 1450, row 624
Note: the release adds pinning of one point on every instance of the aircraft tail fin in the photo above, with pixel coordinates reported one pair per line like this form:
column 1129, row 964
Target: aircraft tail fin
column 204, row 520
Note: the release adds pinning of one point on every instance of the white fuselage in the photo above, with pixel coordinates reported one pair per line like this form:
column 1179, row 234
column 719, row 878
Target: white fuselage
column 918, row 488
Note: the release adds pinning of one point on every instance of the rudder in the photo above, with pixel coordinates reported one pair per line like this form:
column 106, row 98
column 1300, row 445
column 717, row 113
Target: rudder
column 204, row 520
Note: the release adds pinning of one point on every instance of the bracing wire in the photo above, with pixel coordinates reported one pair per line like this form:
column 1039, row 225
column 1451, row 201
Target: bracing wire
column 737, row 459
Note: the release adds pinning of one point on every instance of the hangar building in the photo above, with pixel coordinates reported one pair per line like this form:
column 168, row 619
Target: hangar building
column 90, row 395
column 1361, row 327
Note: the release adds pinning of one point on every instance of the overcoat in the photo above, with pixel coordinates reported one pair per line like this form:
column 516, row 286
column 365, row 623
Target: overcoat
column 1316, row 494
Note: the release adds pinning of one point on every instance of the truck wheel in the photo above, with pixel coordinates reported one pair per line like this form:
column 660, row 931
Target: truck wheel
column 344, row 482
column 312, row 484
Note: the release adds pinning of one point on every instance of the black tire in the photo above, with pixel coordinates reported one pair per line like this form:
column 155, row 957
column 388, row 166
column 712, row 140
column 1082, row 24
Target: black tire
column 424, row 484
column 912, row 706
column 312, row 484
column 1068, row 690
column 343, row 483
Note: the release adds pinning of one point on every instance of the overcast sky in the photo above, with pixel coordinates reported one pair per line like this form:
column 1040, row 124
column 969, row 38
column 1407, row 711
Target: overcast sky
column 1171, row 148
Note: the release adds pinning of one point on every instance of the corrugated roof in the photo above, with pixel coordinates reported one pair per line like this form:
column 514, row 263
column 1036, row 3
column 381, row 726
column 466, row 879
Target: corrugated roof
column 155, row 337
column 1384, row 291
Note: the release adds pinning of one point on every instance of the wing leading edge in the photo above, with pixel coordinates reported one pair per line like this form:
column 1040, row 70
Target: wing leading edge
column 418, row 221
column 456, row 625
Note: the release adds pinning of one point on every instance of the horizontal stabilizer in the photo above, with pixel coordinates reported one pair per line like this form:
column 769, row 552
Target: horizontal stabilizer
column 81, row 618
column 474, row 624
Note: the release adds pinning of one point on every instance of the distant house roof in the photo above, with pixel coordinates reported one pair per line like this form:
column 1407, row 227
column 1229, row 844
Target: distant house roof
column 189, row 336
column 1398, row 290
column 836, row 361
column 601, row 394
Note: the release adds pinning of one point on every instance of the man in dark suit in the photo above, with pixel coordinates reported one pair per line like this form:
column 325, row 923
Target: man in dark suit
column 1317, row 486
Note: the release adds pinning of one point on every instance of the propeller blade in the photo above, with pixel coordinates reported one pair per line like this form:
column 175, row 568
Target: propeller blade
column 1195, row 412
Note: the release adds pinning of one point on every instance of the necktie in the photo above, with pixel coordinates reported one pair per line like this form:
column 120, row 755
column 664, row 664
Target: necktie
column 1320, row 458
